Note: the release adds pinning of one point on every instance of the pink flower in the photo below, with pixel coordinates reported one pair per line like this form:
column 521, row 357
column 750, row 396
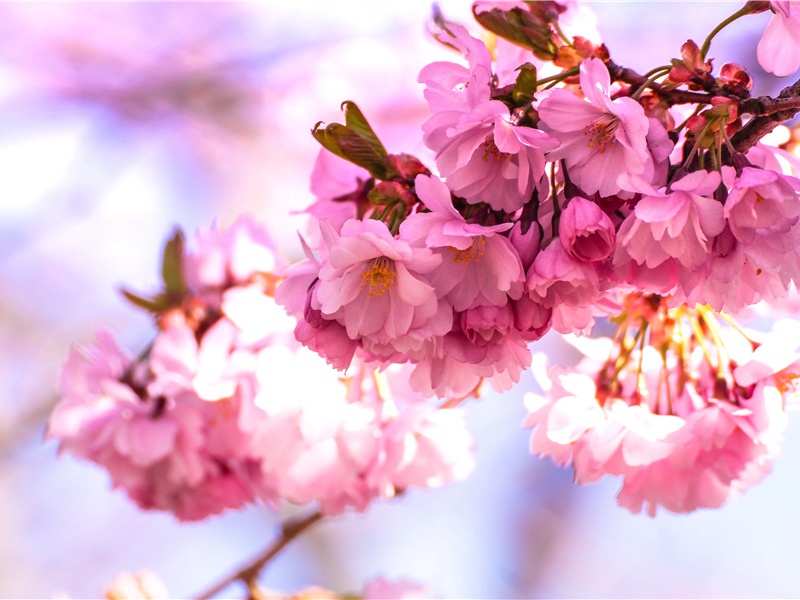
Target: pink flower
column 381, row 589
column 779, row 48
column 485, row 158
column 373, row 284
column 478, row 264
column 453, row 87
column 567, row 286
column 176, row 453
column 226, row 257
column 600, row 138
column 668, row 418
column 762, row 199
column 667, row 232
column 346, row 442
column 585, row 230
column 339, row 188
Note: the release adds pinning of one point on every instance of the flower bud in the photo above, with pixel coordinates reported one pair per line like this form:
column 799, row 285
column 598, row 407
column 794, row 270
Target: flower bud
column 585, row 231
column 526, row 244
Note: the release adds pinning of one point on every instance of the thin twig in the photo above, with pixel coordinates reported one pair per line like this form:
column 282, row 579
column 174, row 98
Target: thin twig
column 249, row 573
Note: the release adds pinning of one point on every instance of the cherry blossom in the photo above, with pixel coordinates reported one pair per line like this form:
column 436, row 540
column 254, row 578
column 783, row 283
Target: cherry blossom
column 601, row 138
column 779, row 48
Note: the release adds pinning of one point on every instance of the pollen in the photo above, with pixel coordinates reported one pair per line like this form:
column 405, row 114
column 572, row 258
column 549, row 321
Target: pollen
column 490, row 150
column 379, row 277
column 600, row 132
column 474, row 252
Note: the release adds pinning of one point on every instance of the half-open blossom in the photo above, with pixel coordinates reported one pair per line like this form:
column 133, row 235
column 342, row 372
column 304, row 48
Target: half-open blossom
column 567, row 286
column 669, row 234
column 585, row 230
column 450, row 86
column 762, row 199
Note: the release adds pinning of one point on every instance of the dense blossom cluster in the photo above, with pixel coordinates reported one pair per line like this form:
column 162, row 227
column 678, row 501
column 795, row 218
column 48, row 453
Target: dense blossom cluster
column 687, row 411
column 562, row 188
column 557, row 200
column 223, row 408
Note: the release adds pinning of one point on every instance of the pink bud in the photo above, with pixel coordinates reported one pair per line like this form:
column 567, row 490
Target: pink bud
column 526, row 244
column 585, row 231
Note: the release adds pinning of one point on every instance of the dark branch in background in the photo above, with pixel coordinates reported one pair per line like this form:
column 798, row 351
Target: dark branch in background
column 249, row 574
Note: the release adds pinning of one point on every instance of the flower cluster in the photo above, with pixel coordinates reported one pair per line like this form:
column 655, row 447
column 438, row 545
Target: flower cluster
column 686, row 411
column 224, row 407
column 562, row 188
column 555, row 197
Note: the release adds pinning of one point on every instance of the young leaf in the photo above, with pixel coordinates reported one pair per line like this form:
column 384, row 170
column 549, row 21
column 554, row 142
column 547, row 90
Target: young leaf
column 350, row 145
column 172, row 265
column 154, row 306
column 525, row 85
column 355, row 120
column 520, row 27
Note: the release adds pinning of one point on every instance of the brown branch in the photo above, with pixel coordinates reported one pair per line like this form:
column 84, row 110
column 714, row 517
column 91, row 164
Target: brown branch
column 248, row 574
column 774, row 112
column 672, row 96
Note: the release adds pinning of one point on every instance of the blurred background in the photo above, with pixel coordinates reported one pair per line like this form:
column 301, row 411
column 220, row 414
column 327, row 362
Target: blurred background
column 120, row 121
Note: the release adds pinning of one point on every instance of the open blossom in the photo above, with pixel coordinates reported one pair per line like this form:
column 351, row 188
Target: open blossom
column 345, row 442
column 224, row 257
column 779, row 48
column 486, row 158
column 478, row 264
column 600, row 138
column 372, row 283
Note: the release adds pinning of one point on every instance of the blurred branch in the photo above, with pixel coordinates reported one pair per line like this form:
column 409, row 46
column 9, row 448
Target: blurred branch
column 248, row 574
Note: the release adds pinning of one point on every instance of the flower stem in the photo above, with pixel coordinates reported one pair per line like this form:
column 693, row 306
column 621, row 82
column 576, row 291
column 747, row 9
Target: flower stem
column 707, row 44
column 248, row 574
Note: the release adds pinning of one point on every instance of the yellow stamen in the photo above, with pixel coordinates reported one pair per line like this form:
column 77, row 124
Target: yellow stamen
column 490, row 149
column 474, row 252
column 380, row 276
column 600, row 132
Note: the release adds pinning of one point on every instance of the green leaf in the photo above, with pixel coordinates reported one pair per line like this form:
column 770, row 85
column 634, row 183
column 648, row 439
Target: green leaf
column 520, row 27
column 172, row 265
column 354, row 119
column 348, row 144
column 525, row 85
column 154, row 305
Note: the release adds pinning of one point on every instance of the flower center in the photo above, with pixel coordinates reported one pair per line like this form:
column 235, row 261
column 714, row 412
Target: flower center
column 379, row 277
column 474, row 252
column 600, row 132
column 490, row 149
